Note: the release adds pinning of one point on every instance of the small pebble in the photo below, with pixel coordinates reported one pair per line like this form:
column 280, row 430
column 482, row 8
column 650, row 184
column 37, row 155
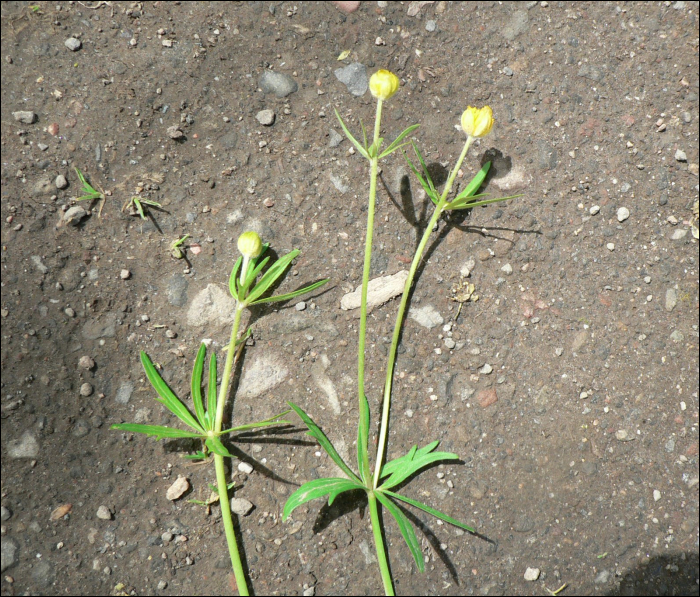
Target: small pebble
column 70, row 312
column 610, row 246
column 266, row 117
column 680, row 156
column 86, row 362
column 241, row 506
column 430, row 26
column 622, row 435
column 244, row 467
column 594, row 210
column 531, row 574
column 450, row 343
column 61, row 182
column 508, row 269
column 86, row 389
column 678, row 234
column 73, row 44
column 622, row 214
column 486, row 369
column 125, row 274
column 25, row 116
column 103, row 513
column 170, row 334
column 657, row 495
column 300, row 306
column 177, row 489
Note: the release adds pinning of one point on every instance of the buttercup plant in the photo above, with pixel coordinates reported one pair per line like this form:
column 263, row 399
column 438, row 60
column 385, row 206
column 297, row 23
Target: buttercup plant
column 379, row 482
column 207, row 422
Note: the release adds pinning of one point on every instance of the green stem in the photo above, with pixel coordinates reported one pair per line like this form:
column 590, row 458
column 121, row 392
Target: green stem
column 386, row 402
column 379, row 544
column 374, row 166
column 219, row 460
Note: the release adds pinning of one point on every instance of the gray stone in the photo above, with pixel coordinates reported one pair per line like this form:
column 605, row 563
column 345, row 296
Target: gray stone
column 677, row 336
column 100, row 327
column 241, row 506
column 680, row 156
column 379, row 291
column 266, row 372
column 335, row 138
column 265, row 117
column 126, row 389
column 427, row 316
column 355, row 78
column 61, row 182
column 43, row 186
column 177, row 290
column 603, row 577
column 25, row 447
column 212, row 305
column 678, row 234
column 280, row 84
column 324, row 383
column 74, row 215
column 671, row 299
column 25, row 116
column 9, row 550
column 39, row 264
column 73, row 44
column 622, row 214
column 517, row 24
column 430, row 26
column 44, row 573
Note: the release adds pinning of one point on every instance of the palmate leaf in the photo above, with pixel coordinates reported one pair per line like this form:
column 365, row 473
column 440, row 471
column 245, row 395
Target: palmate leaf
column 405, row 527
column 354, row 141
column 396, row 143
column 330, row 486
column 166, row 396
column 429, row 510
column 315, row 431
column 158, row 431
column 402, row 468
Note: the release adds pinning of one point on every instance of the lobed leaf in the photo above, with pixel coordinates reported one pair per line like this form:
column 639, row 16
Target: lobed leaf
column 315, row 431
column 426, row 187
column 404, row 467
column 331, row 486
column 405, row 527
column 215, row 445
column 166, row 396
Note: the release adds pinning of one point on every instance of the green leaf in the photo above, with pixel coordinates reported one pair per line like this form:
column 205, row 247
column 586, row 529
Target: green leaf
column 479, row 203
column 354, row 141
column 426, row 172
column 426, row 187
column 210, row 415
column 364, row 134
column 404, row 467
column 395, row 144
column 475, row 183
column 289, row 295
column 166, row 396
column 271, row 275
column 215, row 445
column 197, row 385
column 233, row 278
column 139, row 207
column 265, row 423
column 363, row 440
column 197, row 456
column 373, row 149
column 315, row 431
column 430, row 510
column 456, row 204
column 405, row 527
column 252, row 274
column 159, row 431
column 331, row 486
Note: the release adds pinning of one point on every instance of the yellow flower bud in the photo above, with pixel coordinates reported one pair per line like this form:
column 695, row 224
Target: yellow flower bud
column 477, row 122
column 383, row 84
column 249, row 244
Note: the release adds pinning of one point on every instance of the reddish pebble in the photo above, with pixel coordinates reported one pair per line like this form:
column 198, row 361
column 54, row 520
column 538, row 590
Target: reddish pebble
column 487, row 397
column 53, row 128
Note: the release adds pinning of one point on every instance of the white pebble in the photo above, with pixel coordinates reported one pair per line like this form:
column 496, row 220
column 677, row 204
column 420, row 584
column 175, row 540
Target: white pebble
column 125, row 274
column 244, row 467
column 594, row 210
column 103, row 513
column 241, row 506
column 508, row 269
column 177, row 489
column 531, row 574
column 657, row 495
column 300, row 306
column 610, row 246
column 622, row 214
column 61, row 182
column 86, row 389
column 486, row 369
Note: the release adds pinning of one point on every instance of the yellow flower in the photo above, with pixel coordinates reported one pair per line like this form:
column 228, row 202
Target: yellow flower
column 249, row 244
column 383, row 84
column 477, row 122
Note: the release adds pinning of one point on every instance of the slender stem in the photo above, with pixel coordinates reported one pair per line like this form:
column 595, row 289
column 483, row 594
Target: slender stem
column 228, row 526
column 374, row 166
column 219, row 460
column 386, row 402
column 379, row 544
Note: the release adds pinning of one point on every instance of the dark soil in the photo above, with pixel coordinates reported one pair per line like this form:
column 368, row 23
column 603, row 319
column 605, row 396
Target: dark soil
column 586, row 464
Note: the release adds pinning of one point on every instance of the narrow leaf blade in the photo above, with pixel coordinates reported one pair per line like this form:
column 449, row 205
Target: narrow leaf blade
column 158, row 431
column 354, row 141
column 197, row 385
column 405, row 527
column 167, row 398
column 331, row 486
column 430, row 510
column 475, row 183
column 285, row 297
column 396, row 142
column 211, row 393
column 480, row 203
column 315, row 431
column 234, row 278
column 271, row 275
column 363, row 439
